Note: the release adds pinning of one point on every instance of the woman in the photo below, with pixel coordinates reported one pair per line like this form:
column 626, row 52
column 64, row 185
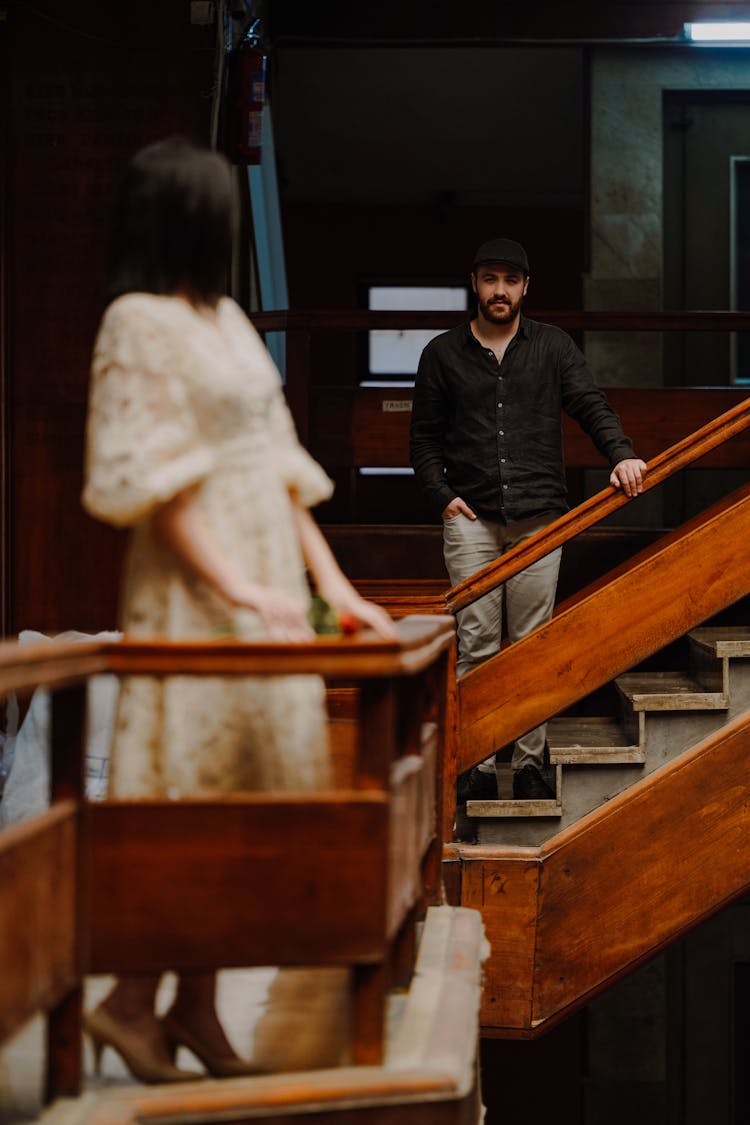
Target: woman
column 190, row 443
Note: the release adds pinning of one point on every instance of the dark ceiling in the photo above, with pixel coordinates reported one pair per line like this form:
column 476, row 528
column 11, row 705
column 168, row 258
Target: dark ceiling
column 291, row 22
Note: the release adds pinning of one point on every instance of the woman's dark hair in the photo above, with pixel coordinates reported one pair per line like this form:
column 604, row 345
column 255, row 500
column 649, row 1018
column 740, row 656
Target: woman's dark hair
column 174, row 223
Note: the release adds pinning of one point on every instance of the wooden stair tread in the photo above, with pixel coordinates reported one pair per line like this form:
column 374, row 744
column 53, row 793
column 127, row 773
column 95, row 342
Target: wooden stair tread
column 668, row 691
column 590, row 740
column 723, row 640
column 502, row 809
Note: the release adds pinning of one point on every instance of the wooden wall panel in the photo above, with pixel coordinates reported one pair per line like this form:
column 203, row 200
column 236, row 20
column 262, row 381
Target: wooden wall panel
column 89, row 87
column 506, row 895
column 370, row 427
column 38, row 956
column 180, row 885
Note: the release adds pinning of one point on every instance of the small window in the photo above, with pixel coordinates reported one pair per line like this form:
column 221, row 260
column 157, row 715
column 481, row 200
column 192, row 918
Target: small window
column 740, row 263
column 393, row 355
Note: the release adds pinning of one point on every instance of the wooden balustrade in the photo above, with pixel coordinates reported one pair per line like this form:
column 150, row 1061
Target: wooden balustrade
column 684, row 578
column 291, row 879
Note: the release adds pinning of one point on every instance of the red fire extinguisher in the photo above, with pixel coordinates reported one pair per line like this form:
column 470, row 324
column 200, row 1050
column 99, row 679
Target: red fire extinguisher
column 246, row 96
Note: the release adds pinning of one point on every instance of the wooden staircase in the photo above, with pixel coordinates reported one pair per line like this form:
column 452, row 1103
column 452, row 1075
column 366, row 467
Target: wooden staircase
column 635, row 853
column 570, row 916
column 652, row 834
column 594, row 758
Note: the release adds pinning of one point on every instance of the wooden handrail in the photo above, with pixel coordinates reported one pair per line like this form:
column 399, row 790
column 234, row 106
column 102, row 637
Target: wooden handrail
column 597, row 507
column 574, row 320
column 26, row 667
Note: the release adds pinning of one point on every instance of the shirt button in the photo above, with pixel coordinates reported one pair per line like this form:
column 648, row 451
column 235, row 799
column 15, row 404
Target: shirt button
column 501, row 432
column 505, row 486
column 502, row 460
column 499, row 404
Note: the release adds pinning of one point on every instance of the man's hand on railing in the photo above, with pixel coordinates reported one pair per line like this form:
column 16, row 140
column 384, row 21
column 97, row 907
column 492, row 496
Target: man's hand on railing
column 628, row 475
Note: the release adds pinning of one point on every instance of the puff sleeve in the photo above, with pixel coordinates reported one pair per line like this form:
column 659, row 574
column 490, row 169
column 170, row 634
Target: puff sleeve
column 143, row 445
column 301, row 474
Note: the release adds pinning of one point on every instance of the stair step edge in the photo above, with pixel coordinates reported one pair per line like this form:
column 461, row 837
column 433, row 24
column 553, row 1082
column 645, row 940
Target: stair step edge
column 500, row 810
column 722, row 641
column 674, row 691
column 586, row 730
column 596, row 755
column 678, row 701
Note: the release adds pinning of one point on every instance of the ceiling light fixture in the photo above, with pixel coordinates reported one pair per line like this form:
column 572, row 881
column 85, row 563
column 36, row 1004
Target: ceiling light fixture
column 722, row 33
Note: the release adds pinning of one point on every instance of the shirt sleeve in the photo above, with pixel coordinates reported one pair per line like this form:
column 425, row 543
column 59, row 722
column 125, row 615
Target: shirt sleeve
column 428, row 425
column 587, row 404
column 143, row 444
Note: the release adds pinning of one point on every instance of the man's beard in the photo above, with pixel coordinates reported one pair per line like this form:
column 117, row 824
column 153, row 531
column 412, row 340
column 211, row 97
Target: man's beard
column 499, row 312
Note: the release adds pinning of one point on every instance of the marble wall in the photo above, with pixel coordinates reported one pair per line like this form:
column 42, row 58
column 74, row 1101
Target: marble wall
column 626, row 190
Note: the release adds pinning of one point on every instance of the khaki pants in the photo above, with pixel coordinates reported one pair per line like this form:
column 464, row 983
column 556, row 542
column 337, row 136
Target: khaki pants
column 469, row 545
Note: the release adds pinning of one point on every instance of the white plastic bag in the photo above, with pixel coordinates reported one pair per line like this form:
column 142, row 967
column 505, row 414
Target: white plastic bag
column 26, row 791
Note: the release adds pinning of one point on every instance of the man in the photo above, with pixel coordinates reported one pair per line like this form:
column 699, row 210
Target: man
column 486, row 446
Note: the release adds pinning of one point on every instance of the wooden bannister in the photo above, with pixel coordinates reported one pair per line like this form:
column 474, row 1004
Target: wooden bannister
column 359, row 865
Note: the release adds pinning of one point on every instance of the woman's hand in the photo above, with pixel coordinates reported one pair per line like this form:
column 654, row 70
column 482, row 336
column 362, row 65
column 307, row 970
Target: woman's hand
column 352, row 610
column 331, row 582
column 284, row 616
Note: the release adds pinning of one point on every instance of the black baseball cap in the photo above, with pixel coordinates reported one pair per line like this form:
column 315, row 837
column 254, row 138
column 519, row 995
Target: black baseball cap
column 502, row 250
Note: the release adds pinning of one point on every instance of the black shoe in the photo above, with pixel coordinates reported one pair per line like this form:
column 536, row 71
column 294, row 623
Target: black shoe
column 529, row 785
column 476, row 785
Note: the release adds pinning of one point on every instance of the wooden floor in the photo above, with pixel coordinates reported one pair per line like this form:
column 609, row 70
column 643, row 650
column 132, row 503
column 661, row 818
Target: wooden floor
column 241, row 994
column 429, row 1073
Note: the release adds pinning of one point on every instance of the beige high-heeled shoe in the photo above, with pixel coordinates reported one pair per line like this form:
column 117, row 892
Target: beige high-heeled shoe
column 105, row 1031
column 223, row 1066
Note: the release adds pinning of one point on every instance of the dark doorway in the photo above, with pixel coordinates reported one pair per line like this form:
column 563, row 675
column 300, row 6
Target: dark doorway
column 706, row 225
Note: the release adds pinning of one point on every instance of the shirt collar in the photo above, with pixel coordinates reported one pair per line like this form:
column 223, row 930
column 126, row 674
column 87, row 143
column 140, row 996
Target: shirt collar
column 468, row 336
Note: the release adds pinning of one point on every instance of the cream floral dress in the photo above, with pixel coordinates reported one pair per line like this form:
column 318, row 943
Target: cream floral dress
column 178, row 400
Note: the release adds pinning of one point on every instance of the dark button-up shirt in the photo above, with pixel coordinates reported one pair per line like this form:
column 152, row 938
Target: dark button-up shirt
column 491, row 432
